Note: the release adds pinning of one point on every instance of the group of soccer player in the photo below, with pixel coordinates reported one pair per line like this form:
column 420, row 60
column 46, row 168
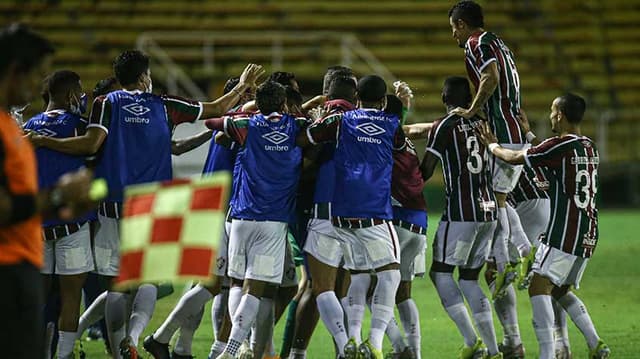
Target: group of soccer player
column 334, row 186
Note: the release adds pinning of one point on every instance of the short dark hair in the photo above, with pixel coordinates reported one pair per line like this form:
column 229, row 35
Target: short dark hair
column 129, row 65
column 282, row 77
column 332, row 73
column 456, row 91
column 394, row 106
column 104, row 86
column 230, row 84
column 572, row 106
column 270, row 97
column 61, row 82
column 468, row 11
column 294, row 100
column 23, row 47
column 344, row 88
column 371, row 88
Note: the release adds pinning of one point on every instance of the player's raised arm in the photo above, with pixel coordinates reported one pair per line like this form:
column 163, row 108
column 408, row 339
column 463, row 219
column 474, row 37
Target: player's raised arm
column 223, row 104
column 489, row 139
column 417, row 131
column 184, row 145
column 489, row 78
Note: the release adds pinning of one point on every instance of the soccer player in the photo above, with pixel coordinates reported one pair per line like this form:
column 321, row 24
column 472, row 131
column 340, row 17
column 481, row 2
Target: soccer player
column 23, row 65
column 67, row 244
column 262, row 203
column 464, row 234
column 570, row 164
column 492, row 70
column 361, row 207
column 322, row 246
column 131, row 126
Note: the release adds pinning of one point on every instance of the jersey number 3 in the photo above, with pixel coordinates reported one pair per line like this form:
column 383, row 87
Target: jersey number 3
column 474, row 162
column 585, row 194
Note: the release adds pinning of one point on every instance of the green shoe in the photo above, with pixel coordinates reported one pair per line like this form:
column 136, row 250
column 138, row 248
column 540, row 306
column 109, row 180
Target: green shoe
column 601, row 351
column 351, row 349
column 497, row 356
column 526, row 264
column 478, row 350
column 78, row 351
column 367, row 351
column 503, row 280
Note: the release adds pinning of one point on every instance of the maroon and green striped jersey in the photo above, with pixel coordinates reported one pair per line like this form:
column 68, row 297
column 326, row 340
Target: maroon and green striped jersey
column 531, row 185
column 481, row 49
column 570, row 164
column 465, row 167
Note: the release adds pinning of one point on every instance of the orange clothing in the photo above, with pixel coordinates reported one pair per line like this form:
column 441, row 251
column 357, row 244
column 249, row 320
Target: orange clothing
column 22, row 241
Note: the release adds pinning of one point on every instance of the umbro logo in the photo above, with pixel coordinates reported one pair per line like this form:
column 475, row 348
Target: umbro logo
column 370, row 129
column 47, row 132
column 276, row 137
column 136, row 109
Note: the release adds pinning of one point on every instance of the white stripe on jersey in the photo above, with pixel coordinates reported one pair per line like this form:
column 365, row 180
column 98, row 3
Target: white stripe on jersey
column 458, row 158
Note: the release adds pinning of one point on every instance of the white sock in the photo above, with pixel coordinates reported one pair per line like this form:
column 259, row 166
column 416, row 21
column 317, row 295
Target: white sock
column 187, row 330
column 298, row 353
column 92, row 314
column 115, row 317
column 453, row 302
column 218, row 310
column 382, row 303
column 142, row 310
column 543, row 325
column 357, row 301
column 395, row 336
column 579, row 315
column 244, row 316
column 235, row 296
column 500, row 237
column 508, row 316
column 262, row 327
column 560, row 329
column 333, row 318
column 48, row 339
column 481, row 309
column 410, row 318
column 66, row 341
column 188, row 306
column 518, row 237
column 216, row 349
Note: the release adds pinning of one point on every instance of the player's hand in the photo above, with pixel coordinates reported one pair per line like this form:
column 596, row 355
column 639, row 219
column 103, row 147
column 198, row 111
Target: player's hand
column 251, row 74
column 485, row 135
column 72, row 190
column 403, row 92
column 33, row 137
column 523, row 121
column 466, row 113
column 317, row 113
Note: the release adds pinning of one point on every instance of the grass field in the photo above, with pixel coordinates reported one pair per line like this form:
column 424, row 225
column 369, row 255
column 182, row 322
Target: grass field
column 610, row 289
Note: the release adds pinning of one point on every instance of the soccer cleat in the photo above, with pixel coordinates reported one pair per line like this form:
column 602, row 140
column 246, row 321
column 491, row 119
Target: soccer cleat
column 563, row 352
column 407, row 353
column 496, row 356
column 477, row 351
column 175, row 355
column 78, row 351
column 516, row 352
column 525, row 274
column 351, row 349
column 225, row 356
column 245, row 351
column 503, row 280
column 155, row 348
column 367, row 351
column 94, row 333
column 127, row 349
column 601, row 351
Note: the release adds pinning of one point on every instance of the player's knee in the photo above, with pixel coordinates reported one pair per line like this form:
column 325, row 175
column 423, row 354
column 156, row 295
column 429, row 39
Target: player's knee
column 404, row 291
column 439, row 267
column 469, row 274
column 391, row 266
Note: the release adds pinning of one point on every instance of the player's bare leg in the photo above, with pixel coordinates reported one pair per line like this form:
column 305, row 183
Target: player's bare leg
column 70, row 297
column 307, row 317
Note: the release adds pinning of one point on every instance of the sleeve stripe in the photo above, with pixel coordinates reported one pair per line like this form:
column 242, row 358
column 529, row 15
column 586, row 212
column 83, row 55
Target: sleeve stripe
column 435, row 152
column 102, row 112
column 200, row 111
column 98, row 126
column 550, row 149
column 310, row 137
column 486, row 64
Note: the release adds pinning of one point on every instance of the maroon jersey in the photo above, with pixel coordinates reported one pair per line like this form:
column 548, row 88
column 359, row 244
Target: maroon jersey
column 406, row 179
column 531, row 185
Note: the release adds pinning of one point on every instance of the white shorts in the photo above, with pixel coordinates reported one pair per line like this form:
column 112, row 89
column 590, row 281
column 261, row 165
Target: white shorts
column 505, row 175
column 106, row 246
column 420, row 263
column 69, row 255
column 411, row 245
column 257, row 250
column 370, row 247
column 534, row 216
column 289, row 275
column 323, row 243
column 463, row 244
column 222, row 256
column 559, row 267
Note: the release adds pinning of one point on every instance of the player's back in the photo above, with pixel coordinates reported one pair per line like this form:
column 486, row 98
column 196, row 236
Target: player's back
column 503, row 106
column 531, row 185
column 269, row 168
column 570, row 164
column 465, row 168
column 363, row 162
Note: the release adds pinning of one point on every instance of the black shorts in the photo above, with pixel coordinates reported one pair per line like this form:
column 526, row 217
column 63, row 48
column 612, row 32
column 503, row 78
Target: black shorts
column 21, row 311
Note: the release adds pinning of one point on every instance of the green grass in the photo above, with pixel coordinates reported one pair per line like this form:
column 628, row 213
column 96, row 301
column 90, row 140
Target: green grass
column 610, row 289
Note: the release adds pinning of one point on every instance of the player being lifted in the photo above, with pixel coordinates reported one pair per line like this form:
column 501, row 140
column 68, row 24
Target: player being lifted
column 570, row 164
column 464, row 234
column 492, row 70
